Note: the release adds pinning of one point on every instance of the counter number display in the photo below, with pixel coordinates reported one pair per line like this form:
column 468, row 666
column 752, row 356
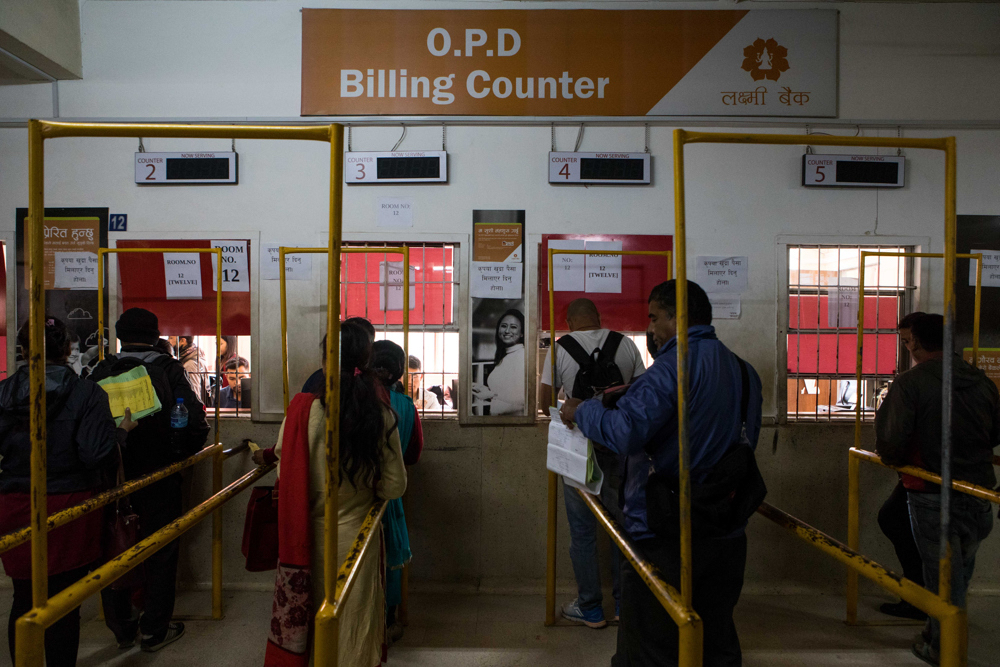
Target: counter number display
column 202, row 168
column 608, row 168
column 398, row 167
column 853, row 171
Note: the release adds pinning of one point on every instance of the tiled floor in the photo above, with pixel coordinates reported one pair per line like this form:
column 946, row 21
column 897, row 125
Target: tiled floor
column 494, row 631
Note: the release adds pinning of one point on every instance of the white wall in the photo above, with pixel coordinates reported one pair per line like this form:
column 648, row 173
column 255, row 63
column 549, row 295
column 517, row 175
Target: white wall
column 916, row 64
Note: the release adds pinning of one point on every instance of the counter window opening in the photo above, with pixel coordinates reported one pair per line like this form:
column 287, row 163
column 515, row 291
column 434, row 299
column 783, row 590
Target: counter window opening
column 822, row 328
column 372, row 287
column 200, row 358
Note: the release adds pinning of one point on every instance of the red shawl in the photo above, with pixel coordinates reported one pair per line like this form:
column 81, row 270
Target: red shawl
column 292, row 612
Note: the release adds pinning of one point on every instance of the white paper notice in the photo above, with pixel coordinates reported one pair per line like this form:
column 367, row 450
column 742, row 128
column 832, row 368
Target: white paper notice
column 235, row 266
column 842, row 307
column 182, row 271
column 568, row 270
column 394, row 212
column 393, row 287
column 722, row 274
column 725, row 307
column 571, row 439
column 495, row 280
column 604, row 272
column 566, row 463
column 75, row 270
column 297, row 267
column 991, row 268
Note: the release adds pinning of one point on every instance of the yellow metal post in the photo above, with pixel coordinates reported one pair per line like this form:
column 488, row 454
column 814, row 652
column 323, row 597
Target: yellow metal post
column 684, row 478
column 284, row 323
column 853, row 535
column 976, row 309
column 327, row 626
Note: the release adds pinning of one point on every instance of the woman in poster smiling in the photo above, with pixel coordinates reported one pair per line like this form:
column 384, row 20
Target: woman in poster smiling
column 504, row 388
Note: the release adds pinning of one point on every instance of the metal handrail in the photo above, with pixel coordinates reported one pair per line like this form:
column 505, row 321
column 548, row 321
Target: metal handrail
column 347, row 574
column 62, row 517
column 31, row 627
column 968, row 488
column 403, row 250
column 236, row 449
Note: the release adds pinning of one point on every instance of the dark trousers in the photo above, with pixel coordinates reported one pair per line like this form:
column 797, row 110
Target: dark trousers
column 647, row 636
column 157, row 505
column 62, row 640
column 894, row 520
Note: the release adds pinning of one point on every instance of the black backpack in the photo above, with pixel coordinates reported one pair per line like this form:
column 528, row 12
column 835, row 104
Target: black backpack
column 598, row 370
column 151, row 445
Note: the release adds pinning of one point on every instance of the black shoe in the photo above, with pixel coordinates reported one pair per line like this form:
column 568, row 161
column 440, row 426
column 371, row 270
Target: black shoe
column 903, row 609
column 927, row 654
column 151, row 643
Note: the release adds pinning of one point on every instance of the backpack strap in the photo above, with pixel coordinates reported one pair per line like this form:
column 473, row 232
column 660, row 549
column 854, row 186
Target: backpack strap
column 610, row 348
column 745, row 398
column 575, row 350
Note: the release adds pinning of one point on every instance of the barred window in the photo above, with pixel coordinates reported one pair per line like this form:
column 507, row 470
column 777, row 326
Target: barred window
column 201, row 360
column 823, row 293
column 372, row 288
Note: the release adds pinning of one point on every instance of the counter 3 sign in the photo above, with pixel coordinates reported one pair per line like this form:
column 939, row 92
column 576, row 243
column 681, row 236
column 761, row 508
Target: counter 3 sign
column 569, row 62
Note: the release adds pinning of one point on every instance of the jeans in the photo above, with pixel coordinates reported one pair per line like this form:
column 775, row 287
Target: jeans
column 971, row 522
column 894, row 520
column 648, row 637
column 583, row 536
column 157, row 505
column 62, row 640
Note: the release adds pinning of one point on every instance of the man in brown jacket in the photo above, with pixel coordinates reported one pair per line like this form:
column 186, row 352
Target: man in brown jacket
column 908, row 432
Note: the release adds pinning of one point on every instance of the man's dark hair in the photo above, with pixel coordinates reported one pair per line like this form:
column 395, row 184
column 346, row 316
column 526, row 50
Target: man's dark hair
column 235, row 363
column 928, row 329
column 364, row 324
column 57, row 338
column 413, row 363
column 907, row 322
column 699, row 307
column 388, row 360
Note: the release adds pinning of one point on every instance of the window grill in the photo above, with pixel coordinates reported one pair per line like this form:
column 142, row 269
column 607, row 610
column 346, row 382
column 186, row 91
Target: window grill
column 823, row 293
column 203, row 382
column 371, row 287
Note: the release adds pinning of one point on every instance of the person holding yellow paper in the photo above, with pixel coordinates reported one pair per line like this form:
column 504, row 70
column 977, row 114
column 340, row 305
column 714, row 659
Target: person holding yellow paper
column 153, row 445
column 82, row 441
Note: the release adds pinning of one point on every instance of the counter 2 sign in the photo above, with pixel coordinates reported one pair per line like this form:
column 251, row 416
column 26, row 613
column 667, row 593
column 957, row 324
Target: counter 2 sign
column 607, row 168
column 853, row 171
column 186, row 168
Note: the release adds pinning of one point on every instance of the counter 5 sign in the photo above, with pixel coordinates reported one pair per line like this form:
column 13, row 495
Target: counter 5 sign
column 569, row 62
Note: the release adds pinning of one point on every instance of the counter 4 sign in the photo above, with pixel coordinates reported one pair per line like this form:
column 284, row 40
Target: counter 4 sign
column 608, row 168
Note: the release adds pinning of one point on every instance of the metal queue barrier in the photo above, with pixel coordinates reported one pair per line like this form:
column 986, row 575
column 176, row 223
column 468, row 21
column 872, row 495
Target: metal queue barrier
column 858, row 454
column 688, row 623
column 403, row 250
column 954, row 630
column 356, row 552
column 30, row 628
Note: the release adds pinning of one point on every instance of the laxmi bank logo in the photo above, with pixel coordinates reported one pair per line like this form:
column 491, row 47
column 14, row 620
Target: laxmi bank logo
column 765, row 59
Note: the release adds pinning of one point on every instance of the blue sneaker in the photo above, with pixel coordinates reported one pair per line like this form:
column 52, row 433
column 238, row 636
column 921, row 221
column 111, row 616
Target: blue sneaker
column 592, row 618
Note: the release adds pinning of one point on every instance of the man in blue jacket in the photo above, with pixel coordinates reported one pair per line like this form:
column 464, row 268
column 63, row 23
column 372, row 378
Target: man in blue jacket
column 643, row 428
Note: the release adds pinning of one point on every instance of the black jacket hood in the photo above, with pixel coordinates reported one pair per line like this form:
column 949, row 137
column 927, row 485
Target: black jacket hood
column 59, row 383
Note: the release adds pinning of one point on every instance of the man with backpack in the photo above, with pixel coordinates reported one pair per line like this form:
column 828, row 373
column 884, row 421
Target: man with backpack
column 589, row 360
column 152, row 445
column 724, row 417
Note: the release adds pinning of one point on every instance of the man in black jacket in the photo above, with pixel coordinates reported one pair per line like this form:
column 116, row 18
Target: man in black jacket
column 153, row 445
column 908, row 432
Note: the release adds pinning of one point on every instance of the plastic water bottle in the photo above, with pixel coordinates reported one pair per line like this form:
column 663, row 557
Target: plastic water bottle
column 179, row 415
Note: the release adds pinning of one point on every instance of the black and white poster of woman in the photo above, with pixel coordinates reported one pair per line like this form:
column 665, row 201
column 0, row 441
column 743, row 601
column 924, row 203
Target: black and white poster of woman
column 498, row 352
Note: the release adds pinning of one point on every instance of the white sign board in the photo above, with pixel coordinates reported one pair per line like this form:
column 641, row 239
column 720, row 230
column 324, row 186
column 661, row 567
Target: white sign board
column 725, row 307
column 604, row 272
column 235, row 266
column 394, row 212
column 297, row 267
column 495, row 280
column 398, row 167
column 391, row 290
column 182, row 271
column 180, row 168
column 991, row 268
column 842, row 307
column 75, row 270
column 722, row 274
column 599, row 168
column 568, row 270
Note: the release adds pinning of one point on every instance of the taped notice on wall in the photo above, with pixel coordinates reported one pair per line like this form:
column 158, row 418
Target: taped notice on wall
column 182, row 271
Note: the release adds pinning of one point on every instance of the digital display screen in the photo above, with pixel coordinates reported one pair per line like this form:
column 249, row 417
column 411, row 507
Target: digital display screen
column 611, row 169
column 408, row 167
column 867, row 172
column 197, row 169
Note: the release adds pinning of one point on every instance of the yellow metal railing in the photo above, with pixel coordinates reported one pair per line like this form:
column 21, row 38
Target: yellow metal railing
column 30, row 628
column 954, row 634
column 403, row 250
column 553, row 478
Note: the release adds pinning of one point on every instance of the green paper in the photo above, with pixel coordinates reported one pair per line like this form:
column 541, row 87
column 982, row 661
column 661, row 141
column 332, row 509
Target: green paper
column 133, row 390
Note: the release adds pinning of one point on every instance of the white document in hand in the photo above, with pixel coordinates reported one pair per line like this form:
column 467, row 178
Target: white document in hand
column 570, row 439
column 566, row 463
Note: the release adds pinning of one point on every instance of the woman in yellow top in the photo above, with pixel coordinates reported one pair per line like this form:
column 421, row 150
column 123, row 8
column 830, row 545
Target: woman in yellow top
column 371, row 465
